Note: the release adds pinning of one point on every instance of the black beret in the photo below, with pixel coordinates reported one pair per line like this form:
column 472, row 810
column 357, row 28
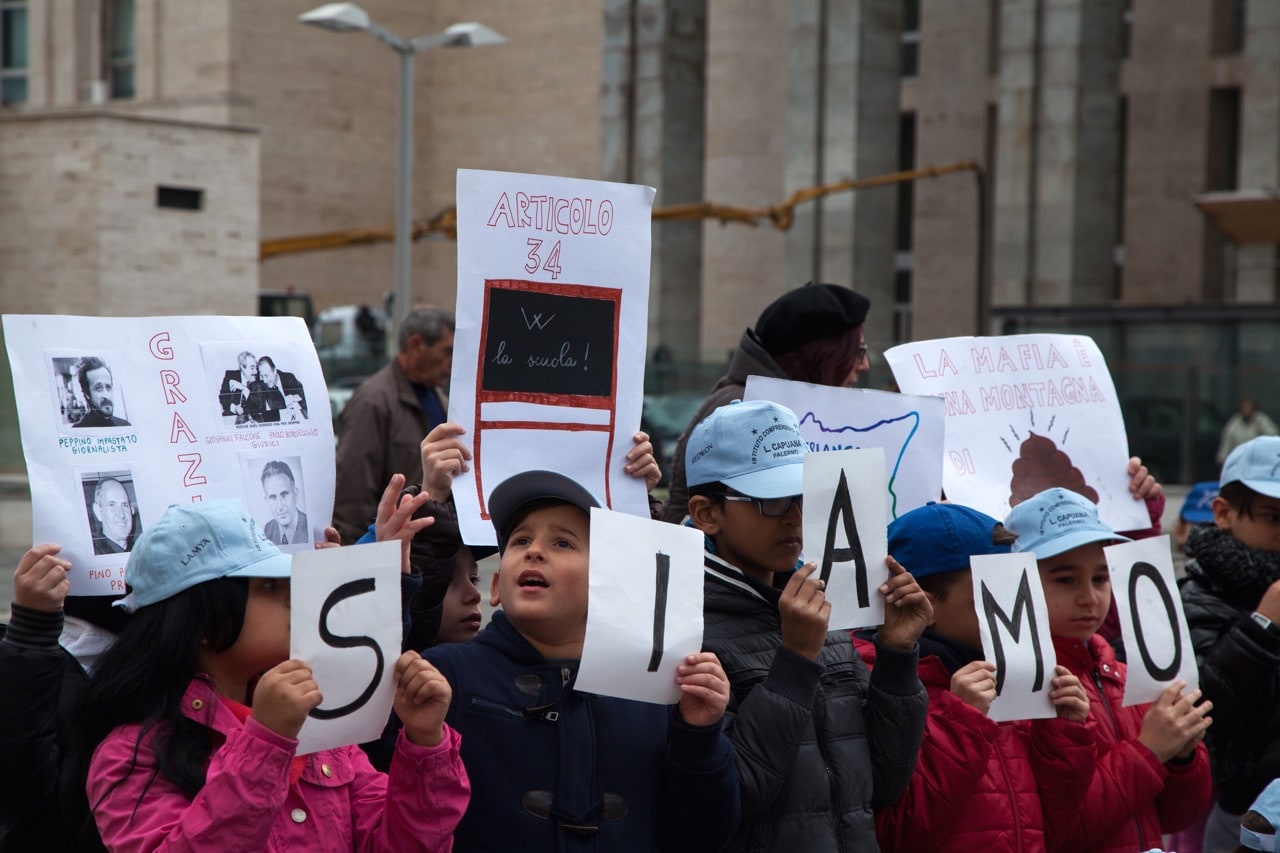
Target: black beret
column 809, row 313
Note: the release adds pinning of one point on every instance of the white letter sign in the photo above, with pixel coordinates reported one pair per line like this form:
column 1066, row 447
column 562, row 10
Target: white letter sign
column 1156, row 638
column 845, row 532
column 645, row 611
column 346, row 624
column 1014, row 621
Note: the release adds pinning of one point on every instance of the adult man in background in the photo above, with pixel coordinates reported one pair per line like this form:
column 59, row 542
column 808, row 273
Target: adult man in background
column 99, row 393
column 1246, row 424
column 388, row 416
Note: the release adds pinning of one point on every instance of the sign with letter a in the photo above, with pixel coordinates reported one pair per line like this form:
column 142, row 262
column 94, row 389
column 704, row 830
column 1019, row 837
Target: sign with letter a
column 1152, row 623
column 345, row 623
column 845, row 522
column 1014, row 622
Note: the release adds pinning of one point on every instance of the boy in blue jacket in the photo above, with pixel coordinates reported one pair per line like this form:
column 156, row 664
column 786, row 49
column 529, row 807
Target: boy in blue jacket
column 555, row 769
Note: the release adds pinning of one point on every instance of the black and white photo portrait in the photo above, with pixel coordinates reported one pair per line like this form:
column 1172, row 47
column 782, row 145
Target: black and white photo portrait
column 88, row 394
column 112, row 509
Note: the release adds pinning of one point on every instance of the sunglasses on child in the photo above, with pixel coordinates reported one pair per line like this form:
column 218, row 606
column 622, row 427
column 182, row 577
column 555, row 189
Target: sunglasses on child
column 769, row 507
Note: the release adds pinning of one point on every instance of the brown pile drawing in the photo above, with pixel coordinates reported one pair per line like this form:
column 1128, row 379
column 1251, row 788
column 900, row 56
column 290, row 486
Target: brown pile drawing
column 1041, row 465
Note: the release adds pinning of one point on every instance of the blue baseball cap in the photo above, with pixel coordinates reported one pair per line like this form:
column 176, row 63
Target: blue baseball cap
column 1198, row 507
column 198, row 542
column 754, row 448
column 938, row 538
column 1256, row 463
column 1268, row 806
column 1055, row 521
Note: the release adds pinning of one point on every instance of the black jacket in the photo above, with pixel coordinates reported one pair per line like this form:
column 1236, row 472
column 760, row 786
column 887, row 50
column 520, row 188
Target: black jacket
column 40, row 682
column 819, row 744
column 1239, row 664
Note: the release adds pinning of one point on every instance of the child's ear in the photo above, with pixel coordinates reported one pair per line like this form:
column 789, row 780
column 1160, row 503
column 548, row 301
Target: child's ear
column 494, row 600
column 705, row 514
column 1222, row 513
column 933, row 604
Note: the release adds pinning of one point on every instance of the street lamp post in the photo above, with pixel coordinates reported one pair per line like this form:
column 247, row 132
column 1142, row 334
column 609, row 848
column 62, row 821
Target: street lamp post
column 349, row 17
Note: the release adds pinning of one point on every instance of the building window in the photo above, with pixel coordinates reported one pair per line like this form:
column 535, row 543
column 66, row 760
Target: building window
column 910, row 38
column 13, row 52
column 118, row 52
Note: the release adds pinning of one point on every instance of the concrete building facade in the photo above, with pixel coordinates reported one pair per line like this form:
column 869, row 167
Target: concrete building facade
column 1094, row 122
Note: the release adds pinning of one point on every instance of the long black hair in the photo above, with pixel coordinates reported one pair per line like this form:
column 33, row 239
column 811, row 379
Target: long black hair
column 140, row 680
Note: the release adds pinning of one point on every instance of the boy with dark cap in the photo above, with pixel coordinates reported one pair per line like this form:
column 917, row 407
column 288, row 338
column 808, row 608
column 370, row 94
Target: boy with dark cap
column 979, row 784
column 1231, row 595
column 809, row 334
column 820, row 741
column 555, row 769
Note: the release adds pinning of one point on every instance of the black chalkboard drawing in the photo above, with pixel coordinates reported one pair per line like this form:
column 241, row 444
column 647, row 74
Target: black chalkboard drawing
column 551, row 345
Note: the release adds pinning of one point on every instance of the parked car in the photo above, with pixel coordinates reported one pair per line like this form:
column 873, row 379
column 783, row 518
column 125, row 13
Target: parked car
column 664, row 417
column 351, row 341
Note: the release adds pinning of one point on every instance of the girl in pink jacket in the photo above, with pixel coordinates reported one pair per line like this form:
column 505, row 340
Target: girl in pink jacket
column 189, row 726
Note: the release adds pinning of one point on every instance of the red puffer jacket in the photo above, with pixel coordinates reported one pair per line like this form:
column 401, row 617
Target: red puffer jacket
column 1133, row 798
column 982, row 785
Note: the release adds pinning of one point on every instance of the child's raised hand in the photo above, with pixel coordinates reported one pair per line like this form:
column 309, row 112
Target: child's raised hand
column 422, row 699
column 1068, row 696
column 1173, row 721
column 41, row 581
column 640, row 461
column 395, row 518
column 907, row 611
column 1142, row 485
column 444, row 457
column 332, row 539
column 704, row 689
column 975, row 684
column 805, row 613
column 285, row 694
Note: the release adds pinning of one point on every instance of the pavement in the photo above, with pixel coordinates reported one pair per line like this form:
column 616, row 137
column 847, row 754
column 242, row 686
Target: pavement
column 9, row 557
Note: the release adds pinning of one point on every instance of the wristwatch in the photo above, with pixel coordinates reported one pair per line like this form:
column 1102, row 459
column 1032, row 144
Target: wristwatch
column 1265, row 623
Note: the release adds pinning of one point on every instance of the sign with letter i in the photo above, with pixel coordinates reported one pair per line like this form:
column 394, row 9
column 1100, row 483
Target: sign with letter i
column 645, row 610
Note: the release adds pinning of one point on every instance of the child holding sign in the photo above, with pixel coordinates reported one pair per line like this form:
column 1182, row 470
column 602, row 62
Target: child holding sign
column 979, row 784
column 189, row 725
column 820, row 741
column 556, row 769
column 1231, row 595
column 1152, row 772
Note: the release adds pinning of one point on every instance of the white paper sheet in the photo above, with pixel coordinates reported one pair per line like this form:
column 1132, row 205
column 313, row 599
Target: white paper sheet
column 1152, row 622
column 549, row 349
column 345, row 623
column 845, row 532
column 180, row 442
column 645, row 607
column 1014, row 621
column 1025, row 413
column 909, row 428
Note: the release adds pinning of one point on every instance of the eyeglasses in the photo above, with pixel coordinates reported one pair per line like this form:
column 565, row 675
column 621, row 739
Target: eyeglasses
column 860, row 355
column 769, row 507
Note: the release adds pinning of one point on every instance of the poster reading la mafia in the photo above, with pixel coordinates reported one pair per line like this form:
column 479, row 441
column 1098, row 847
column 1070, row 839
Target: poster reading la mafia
column 549, row 347
column 121, row 417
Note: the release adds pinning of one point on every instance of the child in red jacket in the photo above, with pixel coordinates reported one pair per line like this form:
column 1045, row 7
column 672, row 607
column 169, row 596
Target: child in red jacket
column 1152, row 773
column 978, row 784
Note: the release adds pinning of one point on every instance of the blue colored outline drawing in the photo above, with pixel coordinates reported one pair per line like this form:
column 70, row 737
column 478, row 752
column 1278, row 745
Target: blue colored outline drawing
column 808, row 417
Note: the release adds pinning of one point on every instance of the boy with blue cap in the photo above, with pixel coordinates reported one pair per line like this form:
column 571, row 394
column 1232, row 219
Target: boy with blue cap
column 1152, row 772
column 978, row 784
column 1231, row 595
column 1258, row 825
column 820, row 742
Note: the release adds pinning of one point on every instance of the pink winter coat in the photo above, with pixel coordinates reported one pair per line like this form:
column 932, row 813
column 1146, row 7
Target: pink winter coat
column 339, row 804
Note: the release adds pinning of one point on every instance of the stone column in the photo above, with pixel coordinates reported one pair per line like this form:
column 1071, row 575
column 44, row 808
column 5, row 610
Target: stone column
column 1255, row 280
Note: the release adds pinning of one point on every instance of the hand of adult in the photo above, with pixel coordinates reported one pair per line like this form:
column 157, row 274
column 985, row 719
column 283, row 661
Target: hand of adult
column 41, row 581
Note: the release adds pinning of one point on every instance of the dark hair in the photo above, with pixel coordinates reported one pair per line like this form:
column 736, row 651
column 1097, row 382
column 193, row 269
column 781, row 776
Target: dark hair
column 825, row 361
column 82, row 368
column 276, row 469
column 1239, row 497
column 430, row 324
column 528, row 509
column 141, row 679
column 268, row 360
